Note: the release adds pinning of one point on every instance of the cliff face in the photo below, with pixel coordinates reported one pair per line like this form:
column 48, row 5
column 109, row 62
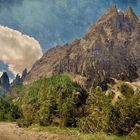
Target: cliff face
column 110, row 49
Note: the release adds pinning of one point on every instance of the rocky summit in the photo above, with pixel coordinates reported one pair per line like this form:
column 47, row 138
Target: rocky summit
column 110, row 49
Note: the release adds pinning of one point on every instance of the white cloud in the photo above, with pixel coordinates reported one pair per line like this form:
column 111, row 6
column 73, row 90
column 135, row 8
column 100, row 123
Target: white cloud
column 1, row 73
column 18, row 51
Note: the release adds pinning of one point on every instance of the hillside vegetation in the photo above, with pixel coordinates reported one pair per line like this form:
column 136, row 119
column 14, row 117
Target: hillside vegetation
column 59, row 102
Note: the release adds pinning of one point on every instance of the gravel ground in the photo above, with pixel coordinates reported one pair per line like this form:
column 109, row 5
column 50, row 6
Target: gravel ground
column 10, row 131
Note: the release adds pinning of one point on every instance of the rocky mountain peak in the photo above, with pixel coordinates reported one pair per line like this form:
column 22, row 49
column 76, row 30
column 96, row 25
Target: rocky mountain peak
column 24, row 74
column 4, row 81
column 113, row 22
column 110, row 49
column 130, row 13
column 19, row 79
column 112, row 9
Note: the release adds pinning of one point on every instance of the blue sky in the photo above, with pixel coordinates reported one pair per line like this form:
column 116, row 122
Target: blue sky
column 54, row 22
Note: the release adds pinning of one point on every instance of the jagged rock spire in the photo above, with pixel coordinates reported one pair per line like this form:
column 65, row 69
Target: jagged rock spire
column 130, row 13
column 110, row 12
column 113, row 9
column 4, row 80
column 17, row 80
column 24, row 74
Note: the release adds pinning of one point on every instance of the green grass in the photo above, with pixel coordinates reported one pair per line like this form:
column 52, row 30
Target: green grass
column 55, row 130
column 104, row 136
column 78, row 135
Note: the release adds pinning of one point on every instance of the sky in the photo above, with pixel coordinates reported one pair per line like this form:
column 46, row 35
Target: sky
column 53, row 22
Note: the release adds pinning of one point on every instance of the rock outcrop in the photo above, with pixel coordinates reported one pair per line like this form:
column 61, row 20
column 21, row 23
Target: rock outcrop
column 19, row 79
column 4, row 83
column 110, row 49
column 24, row 74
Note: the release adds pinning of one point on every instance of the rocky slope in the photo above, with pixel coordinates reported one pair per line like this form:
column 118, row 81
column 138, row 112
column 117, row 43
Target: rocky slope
column 110, row 48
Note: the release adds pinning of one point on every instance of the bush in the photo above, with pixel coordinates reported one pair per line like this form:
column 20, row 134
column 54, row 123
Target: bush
column 125, row 115
column 101, row 115
column 126, row 90
column 23, row 123
column 97, row 110
column 8, row 110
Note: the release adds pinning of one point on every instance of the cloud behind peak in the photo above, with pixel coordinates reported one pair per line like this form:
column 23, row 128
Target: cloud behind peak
column 18, row 51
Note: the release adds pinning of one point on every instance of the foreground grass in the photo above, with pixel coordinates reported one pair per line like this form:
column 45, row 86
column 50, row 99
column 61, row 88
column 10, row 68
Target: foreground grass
column 76, row 135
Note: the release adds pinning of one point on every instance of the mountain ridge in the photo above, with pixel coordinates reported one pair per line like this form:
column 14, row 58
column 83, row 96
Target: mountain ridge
column 104, row 52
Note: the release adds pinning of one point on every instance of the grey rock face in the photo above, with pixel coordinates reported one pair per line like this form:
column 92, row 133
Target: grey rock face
column 24, row 74
column 4, row 82
column 110, row 49
column 19, row 79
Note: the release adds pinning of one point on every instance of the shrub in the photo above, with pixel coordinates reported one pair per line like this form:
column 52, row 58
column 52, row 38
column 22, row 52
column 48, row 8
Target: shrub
column 126, row 90
column 23, row 122
column 8, row 110
column 125, row 115
column 97, row 109
column 101, row 115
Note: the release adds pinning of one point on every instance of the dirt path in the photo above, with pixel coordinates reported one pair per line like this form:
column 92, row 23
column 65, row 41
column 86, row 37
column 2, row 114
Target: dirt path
column 9, row 131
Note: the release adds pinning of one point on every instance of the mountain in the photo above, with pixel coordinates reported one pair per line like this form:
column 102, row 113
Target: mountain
column 19, row 79
column 4, row 83
column 24, row 74
column 110, row 49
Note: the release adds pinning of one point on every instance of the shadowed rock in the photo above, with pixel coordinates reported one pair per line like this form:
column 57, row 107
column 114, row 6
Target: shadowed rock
column 4, row 82
column 19, row 79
